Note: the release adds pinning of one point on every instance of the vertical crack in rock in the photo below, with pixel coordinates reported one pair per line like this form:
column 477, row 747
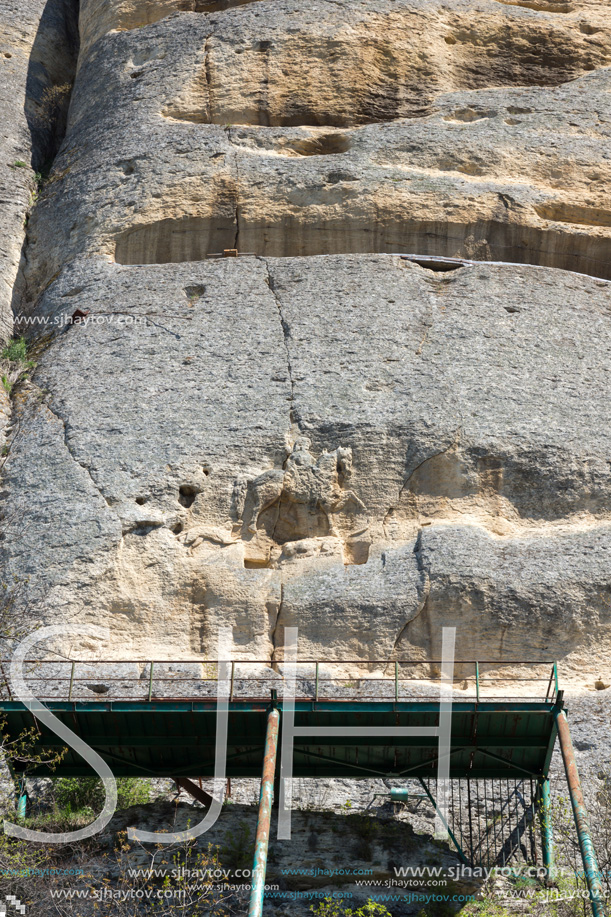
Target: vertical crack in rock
column 208, row 74
column 274, row 635
column 52, row 70
column 236, row 243
column 422, row 571
column 429, row 458
column 70, row 451
column 428, row 325
column 286, row 334
column 424, row 589
column 11, row 432
column 37, row 90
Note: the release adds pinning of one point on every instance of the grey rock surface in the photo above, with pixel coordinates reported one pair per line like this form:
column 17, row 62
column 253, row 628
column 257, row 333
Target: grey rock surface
column 38, row 45
column 181, row 143
column 358, row 446
column 323, row 434
column 18, row 26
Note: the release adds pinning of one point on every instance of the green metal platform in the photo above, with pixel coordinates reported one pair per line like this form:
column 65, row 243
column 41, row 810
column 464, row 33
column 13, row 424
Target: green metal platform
column 173, row 738
column 146, row 728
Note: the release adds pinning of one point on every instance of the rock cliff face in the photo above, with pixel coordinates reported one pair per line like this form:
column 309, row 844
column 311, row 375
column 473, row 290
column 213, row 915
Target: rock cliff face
column 319, row 433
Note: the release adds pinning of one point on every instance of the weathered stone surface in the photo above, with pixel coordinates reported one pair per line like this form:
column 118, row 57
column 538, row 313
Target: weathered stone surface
column 321, row 435
column 324, row 435
column 17, row 30
column 18, row 23
column 501, row 164
column 358, row 446
column 37, row 58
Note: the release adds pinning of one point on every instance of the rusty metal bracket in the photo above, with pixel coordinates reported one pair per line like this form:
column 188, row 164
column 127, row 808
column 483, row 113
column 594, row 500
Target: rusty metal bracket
column 193, row 790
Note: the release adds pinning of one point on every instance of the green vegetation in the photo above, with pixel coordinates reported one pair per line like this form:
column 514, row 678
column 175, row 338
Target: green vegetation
column 334, row 907
column 53, row 101
column 238, row 849
column 15, row 351
column 85, row 795
column 14, row 363
column 486, row 908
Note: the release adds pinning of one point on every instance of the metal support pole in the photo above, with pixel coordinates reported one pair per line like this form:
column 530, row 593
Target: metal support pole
column 549, row 684
column 459, row 849
column 265, row 813
column 477, row 682
column 396, row 682
column 316, row 688
column 545, row 818
column 71, row 681
column 22, row 806
column 580, row 815
column 20, row 791
column 469, row 810
column 232, row 681
column 151, row 682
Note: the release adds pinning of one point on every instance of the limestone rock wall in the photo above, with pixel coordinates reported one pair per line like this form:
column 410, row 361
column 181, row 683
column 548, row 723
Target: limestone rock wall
column 38, row 46
column 321, row 433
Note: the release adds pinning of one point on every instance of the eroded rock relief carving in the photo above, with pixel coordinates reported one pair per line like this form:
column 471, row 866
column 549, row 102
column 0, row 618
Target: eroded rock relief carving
column 303, row 510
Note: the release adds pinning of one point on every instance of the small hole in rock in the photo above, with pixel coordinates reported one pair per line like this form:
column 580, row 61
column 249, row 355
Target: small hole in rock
column 206, row 470
column 187, row 495
column 511, row 309
column 7, row 55
column 194, row 291
column 334, row 178
column 99, row 689
column 322, row 145
column 141, row 500
column 439, row 265
column 177, row 529
column 144, row 529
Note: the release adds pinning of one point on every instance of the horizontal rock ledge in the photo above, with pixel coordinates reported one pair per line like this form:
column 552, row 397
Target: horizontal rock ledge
column 194, row 239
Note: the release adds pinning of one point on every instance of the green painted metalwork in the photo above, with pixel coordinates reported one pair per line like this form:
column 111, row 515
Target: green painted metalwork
column 588, row 854
column 266, row 799
column 459, row 849
column 547, row 833
column 493, row 739
column 172, row 738
column 22, row 805
column 401, row 794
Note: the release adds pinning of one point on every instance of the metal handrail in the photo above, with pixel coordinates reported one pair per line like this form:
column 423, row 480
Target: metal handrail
column 201, row 661
column 323, row 681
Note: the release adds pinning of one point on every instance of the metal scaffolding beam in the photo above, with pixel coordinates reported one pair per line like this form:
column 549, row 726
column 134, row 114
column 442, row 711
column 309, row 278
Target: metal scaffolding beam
column 264, row 816
column 545, row 817
column 588, row 854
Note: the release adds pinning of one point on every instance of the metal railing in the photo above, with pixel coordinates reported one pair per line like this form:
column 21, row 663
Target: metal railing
column 348, row 680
